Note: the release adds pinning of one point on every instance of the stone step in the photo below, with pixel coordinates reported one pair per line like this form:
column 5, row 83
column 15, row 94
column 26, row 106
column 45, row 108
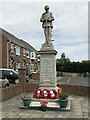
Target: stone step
column 49, row 100
column 51, row 105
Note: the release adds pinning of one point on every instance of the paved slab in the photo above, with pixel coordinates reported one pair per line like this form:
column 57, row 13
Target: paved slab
column 52, row 104
column 10, row 109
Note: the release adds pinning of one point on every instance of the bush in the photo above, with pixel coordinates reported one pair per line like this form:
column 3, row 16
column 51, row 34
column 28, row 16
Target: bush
column 63, row 95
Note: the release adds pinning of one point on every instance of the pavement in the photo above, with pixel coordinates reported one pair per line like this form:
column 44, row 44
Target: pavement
column 11, row 109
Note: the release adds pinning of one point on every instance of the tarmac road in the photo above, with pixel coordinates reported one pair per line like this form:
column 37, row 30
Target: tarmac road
column 83, row 81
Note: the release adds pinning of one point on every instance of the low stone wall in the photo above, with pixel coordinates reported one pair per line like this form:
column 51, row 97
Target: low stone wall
column 35, row 76
column 67, row 74
column 11, row 91
column 75, row 89
column 29, row 87
column 71, row 89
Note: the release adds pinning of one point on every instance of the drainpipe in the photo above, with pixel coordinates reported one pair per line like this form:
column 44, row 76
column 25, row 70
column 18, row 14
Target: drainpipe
column 9, row 41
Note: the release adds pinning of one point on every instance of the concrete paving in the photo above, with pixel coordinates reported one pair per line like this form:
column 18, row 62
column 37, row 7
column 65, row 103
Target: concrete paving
column 11, row 109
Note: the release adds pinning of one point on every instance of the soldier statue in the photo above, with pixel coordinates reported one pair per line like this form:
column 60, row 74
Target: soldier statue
column 47, row 25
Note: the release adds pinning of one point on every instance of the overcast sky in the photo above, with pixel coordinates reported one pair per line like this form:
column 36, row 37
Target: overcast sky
column 70, row 31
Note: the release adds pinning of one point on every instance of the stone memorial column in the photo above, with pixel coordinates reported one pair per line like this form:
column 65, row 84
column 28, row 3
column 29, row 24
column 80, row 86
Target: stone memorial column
column 47, row 54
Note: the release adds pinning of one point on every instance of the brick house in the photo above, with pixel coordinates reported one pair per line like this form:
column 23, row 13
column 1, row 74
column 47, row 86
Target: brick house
column 16, row 53
column 84, row 61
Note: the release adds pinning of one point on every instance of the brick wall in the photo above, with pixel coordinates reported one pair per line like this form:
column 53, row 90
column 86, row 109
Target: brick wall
column 11, row 91
column 35, row 76
column 71, row 89
column 4, row 52
column 20, row 57
column 75, row 89
column 0, row 51
column 29, row 87
column 22, row 76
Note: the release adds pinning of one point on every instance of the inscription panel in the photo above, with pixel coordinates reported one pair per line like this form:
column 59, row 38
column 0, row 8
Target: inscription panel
column 47, row 72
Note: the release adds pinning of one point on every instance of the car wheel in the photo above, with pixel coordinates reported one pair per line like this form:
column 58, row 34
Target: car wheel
column 16, row 81
column 7, row 85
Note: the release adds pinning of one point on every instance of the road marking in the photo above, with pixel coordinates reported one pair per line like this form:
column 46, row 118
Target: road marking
column 68, row 80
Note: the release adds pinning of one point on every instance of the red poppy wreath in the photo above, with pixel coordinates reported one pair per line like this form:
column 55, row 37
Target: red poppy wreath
column 45, row 93
column 53, row 94
column 37, row 93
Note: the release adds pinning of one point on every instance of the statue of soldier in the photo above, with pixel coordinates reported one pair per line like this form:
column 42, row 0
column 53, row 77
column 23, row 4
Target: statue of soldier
column 47, row 25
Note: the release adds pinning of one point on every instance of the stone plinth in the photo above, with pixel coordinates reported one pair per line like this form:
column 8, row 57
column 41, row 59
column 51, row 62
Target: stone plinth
column 48, row 69
column 52, row 104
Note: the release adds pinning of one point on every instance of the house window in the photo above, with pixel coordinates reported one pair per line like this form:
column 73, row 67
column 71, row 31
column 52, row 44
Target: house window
column 12, row 66
column 32, row 67
column 17, row 66
column 27, row 53
column 33, row 55
column 24, row 65
column 24, row 52
column 17, row 50
column 12, row 48
column 38, row 57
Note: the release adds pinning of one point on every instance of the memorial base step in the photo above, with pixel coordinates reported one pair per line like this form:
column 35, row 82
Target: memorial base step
column 53, row 104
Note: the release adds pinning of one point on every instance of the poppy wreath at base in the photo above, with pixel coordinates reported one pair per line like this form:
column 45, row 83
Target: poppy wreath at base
column 45, row 95
column 53, row 94
column 49, row 94
column 36, row 93
column 59, row 90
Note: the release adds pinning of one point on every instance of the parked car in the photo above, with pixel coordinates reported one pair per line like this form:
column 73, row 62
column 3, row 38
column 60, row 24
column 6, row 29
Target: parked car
column 37, row 71
column 10, row 74
column 3, row 81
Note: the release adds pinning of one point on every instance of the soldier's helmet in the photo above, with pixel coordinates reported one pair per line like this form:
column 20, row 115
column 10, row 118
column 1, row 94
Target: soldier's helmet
column 46, row 7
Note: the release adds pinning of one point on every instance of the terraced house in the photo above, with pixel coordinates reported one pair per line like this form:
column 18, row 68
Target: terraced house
column 15, row 53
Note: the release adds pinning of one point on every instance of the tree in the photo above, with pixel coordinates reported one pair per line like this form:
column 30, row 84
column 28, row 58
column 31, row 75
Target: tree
column 63, row 59
column 63, row 64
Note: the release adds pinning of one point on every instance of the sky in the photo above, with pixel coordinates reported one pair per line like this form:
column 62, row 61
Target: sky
column 70, row 27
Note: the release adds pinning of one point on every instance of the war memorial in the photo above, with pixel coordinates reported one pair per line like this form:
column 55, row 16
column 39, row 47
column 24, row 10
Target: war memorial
column 38, row 100
column 44, row 95
column 47, row 92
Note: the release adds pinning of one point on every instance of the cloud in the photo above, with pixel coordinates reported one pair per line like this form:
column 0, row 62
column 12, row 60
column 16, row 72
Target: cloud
column 74, row 52
column 44, row 1
column 70, row 30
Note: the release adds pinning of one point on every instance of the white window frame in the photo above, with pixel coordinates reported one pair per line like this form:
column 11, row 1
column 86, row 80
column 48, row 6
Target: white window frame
column 24, row 52
column 28, row 54
column 32, row 66
column 17, row 66
column 33, row 55
column 17, row 50
column 12, row 45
